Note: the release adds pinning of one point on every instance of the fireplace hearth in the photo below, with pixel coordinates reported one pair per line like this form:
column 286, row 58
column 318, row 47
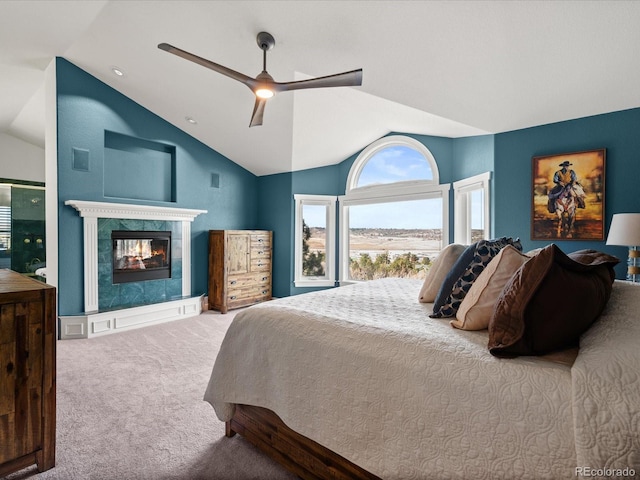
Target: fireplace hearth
column 141, row 255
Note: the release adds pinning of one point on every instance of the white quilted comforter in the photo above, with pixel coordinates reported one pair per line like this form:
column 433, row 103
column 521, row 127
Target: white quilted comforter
column 364, row 371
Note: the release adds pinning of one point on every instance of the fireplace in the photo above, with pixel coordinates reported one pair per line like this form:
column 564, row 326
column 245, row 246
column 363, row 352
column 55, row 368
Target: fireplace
column 140, row 255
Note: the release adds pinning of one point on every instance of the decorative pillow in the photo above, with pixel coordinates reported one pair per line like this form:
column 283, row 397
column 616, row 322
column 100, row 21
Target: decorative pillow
column 458, row 269
column 438, row 271
column 462, row 275
column 550, row 301
column 477, row 307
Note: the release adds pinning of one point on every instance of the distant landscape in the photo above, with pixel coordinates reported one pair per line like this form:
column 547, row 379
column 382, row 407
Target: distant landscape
column 396, row 241
column 386, row 252
column 383, row 252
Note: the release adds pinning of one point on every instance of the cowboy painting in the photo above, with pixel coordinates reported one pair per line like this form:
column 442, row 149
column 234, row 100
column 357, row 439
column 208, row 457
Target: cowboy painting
column 568, row 196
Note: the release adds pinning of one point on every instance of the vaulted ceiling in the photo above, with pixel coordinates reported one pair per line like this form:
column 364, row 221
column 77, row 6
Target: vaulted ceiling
column 446, row 68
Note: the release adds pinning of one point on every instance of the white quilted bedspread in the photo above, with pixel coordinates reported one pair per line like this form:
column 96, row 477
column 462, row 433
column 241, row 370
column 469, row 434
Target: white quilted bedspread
column 364, row 371
column 606, row 387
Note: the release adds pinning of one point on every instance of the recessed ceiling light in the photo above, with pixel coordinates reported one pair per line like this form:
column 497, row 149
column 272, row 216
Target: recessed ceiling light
column 191, row 120
column 117, row 71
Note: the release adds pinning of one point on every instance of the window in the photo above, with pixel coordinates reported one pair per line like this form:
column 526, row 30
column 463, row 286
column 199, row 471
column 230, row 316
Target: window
column 315, row 240
column 5, row 228
column 394, row 214
column 472, row 212
column 5, row 223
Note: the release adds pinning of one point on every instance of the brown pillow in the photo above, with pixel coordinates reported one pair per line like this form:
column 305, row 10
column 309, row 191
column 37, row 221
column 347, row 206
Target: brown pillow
column 550, row 301
column 438, row 271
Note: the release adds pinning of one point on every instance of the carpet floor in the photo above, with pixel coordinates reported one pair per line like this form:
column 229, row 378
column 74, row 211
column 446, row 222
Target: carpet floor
column 129, row 407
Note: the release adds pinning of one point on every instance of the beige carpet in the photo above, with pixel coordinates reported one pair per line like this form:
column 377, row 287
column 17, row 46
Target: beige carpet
column 130, row 407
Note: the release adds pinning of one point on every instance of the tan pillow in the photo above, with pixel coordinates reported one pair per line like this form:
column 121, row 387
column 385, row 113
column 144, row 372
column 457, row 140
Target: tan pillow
column 477, row 306
column 438, row 271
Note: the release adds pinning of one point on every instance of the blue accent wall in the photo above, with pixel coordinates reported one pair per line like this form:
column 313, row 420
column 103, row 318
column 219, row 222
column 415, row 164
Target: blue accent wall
column 275, row 211
column 472, row 156
column 87, row 108
column 617, row 132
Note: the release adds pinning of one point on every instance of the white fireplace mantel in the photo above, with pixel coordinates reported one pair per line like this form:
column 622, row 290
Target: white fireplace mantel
column 89, row 209
column 90, row 212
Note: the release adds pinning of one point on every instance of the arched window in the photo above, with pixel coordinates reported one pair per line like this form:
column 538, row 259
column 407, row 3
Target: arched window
column 394, row 214
column 393, row 160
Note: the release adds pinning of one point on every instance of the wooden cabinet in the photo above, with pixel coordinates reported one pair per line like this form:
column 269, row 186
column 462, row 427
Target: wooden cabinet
column 239, row 268
column 27, row 373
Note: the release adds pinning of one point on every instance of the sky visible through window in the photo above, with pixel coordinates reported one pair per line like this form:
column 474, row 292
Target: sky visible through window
column 395, row 164
column 477, row 210
column 390, row 165
column 315, row 216
column 413, row 214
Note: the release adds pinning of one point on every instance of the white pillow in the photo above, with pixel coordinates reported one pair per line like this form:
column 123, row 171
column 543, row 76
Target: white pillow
column 477, row 306
column 438, row 271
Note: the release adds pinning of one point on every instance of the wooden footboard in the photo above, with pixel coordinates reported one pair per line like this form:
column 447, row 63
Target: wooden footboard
column 298, row 454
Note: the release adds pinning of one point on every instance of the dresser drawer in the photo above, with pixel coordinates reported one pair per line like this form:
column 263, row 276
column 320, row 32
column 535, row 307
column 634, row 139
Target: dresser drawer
column 253, row 279
column 260, row 251
column 249, row 291
column 248, row 295
column 260, row 264
column 261, row 239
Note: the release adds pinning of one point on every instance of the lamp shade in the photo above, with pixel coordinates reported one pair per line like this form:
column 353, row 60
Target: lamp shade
column 624, row 230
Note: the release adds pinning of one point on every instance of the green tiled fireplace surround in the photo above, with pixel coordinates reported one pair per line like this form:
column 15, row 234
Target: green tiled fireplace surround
column 125, row 295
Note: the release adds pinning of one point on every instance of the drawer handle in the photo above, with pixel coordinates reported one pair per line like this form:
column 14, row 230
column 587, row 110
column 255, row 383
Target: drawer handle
column 264, row 279
column 260, row 252
column 233, row 282
column 261, row 240
column 232, row 297
column 259, row 264
column 264, row 292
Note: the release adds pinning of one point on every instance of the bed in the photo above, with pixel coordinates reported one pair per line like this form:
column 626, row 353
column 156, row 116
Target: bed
column 359, row 382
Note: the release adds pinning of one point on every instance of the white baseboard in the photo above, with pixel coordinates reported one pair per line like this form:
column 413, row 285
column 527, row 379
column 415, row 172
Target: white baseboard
column 104, row 323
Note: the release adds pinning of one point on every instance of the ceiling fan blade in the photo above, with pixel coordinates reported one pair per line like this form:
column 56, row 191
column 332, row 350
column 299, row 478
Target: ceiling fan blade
column 346, row 79
column 258, row 112
column 248, row 81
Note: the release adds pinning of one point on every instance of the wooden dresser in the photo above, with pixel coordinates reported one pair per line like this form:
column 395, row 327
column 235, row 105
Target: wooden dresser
column 27, row 373
column 239, row 268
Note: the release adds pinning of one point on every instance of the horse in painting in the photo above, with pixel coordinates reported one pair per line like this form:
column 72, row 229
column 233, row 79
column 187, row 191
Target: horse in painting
column 565, row 208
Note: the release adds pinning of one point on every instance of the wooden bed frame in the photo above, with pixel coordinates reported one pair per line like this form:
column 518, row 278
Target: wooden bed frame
column 297, row 453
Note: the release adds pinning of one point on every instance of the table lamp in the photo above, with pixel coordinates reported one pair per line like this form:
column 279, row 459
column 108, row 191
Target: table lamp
column 625, row 230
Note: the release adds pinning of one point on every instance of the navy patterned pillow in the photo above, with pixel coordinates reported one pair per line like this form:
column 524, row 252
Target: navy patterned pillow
column 454, row 289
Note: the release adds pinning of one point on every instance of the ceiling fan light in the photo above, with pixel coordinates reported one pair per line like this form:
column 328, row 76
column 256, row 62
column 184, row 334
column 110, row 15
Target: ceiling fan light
column 264, row 92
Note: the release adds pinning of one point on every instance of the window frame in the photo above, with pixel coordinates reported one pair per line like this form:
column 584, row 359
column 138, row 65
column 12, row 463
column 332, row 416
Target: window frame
column 387, row 193
column 462, row 206
column 329, row 202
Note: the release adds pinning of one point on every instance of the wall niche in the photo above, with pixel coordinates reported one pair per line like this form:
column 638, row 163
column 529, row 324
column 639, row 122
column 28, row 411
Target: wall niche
column 138, row 169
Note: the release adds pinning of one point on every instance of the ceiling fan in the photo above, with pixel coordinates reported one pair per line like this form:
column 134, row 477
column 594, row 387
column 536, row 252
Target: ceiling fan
column 263, row 86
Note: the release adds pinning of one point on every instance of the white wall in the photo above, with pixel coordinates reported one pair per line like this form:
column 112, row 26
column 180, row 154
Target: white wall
column 20, row 160
column 50, row 160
